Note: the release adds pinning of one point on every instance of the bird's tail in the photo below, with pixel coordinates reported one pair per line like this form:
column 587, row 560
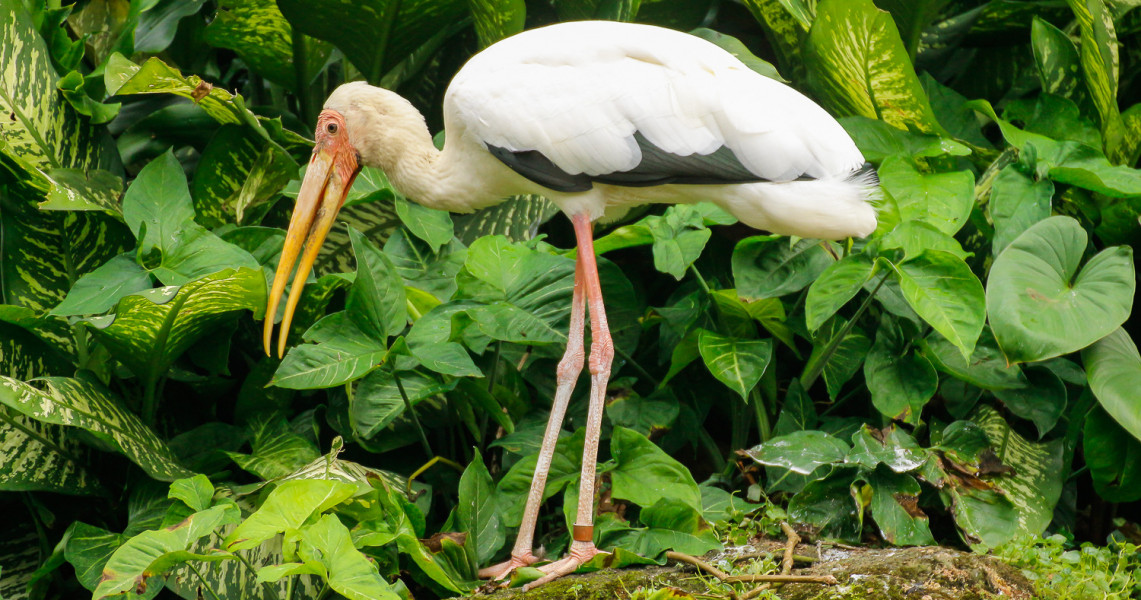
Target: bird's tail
column 830, row 208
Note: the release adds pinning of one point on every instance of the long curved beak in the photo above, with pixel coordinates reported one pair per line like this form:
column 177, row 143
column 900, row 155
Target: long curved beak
column 332, row 169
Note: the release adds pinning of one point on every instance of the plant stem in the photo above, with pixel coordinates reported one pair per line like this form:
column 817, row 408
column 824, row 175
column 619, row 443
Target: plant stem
column 412, row 413
column 817, row 368
column 268, row 585
column 202, row 579
column 740, row 431
column 700, row 280
column 763, row 425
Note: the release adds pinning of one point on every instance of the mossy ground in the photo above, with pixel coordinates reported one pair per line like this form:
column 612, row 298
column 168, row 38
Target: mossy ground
column 932, row 573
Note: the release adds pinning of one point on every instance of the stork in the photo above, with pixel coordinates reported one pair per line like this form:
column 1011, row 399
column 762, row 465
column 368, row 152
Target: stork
column 598, row 117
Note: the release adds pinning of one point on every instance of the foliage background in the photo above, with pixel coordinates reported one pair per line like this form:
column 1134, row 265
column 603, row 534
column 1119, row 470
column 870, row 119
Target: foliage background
column 964, row 376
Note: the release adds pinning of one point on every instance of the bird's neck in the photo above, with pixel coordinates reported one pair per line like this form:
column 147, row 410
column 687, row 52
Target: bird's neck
column 430, row 177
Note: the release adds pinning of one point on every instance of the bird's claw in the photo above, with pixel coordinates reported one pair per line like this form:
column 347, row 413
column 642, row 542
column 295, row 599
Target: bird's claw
column 580, row 554
column 504, row 569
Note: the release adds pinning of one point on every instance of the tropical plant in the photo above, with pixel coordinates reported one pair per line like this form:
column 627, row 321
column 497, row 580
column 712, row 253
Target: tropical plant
column 963, row 376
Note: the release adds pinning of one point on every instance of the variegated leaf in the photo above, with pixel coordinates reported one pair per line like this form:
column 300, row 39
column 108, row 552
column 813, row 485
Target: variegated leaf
column 44, row 253
column 1099, row 65
column 1058, row 62
column 239, row 172
column 376, row 220
column 90, row 406
column 785, row 28
column 36, row 456
column 1035, row 485
column 150, row 329
column 261, row 36
column 233, row 579
column 859, row 66
column 518, row 218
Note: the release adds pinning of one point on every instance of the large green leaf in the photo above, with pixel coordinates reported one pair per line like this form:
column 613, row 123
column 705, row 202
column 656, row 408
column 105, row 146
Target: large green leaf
column 767, row 267
column 289, row 506
column 518, row 219
column 877, row 140
column 275, row 450
column 327, row 550
column 497, row 19
column 737, row 363
column 669, row 525
column 895, row 507
column 1040, row 306
column 645, row 473
column 239, row 173
column 149, row 330
column 1057, row 60
column 154, row 552
column 943, row 200
column 801, row 451
column 1113, row 457
column 835, row 286
column 860, row 66
column 900, row 381
column 679, row 237
column 375, row 35
column 91, row 407
column 1114, row 369
column 941, row 288
column 264, row 40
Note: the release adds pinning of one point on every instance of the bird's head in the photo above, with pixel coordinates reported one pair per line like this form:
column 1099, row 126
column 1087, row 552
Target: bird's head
column 360, row 125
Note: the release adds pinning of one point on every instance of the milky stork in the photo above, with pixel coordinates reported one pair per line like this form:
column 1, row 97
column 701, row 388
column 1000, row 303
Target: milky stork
column 599, row 117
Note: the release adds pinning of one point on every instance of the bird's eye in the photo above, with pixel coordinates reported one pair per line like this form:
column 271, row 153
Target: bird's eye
column 331, row 128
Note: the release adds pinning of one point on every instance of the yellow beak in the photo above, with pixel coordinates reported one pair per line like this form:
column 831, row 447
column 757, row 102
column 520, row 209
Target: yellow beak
column 331, row 172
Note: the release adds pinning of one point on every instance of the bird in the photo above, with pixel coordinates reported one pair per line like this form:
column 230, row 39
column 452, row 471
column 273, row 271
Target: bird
column 598, row 117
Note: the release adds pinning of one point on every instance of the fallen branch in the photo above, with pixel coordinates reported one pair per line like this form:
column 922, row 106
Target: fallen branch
column 792, row 540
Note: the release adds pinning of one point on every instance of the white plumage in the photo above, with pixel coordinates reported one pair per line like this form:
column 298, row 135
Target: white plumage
column 577, row 92
column 598, row 117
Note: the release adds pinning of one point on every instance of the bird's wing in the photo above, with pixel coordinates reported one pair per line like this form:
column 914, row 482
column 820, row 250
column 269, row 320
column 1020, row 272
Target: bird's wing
column 636, row 105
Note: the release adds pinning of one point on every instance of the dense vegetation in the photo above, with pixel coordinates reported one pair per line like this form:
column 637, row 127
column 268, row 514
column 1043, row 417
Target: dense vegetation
column 967, row 375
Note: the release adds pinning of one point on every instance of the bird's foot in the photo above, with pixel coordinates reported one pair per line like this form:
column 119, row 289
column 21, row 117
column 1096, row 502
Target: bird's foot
column 504, row 569
column 580, row 554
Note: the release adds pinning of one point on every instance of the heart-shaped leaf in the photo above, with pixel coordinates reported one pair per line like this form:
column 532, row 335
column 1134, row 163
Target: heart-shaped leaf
column 1114, row 369
column 1040, row 305
column 941, row 288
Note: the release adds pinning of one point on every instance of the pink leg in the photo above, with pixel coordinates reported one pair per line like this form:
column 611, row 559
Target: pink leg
column 601, row 355
column 567, row 375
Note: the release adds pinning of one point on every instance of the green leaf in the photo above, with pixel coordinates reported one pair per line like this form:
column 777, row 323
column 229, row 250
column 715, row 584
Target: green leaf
column 342, row 353
column 835, row 286
column 648, row 416
column 1016, row 203
column 1041, row 307
column 913, row 237
column 861, row 67
column 739, row 51
column 900, row 381
column 99, row 290
column 239, row 174
column 645, row 473
column 669, row 525
column 1114, row 370
column 941, row 288
column 478, row 512
column 895, row 507
column 878, row 140
column 275, row 450
column 264, row 40
column 986, row 368
column 429, row 224
column 288, row 507
column 150, row 329
column 91, row 407
column 196, row 492
column 679, row 237
column 497, row 19
column 830, row 505
column 349, row 573
column 739, row 364
column 1042, row 400
column 433, row 272
column 892, row 447
column 767, row 267
column 1113, row 456
column 407, row 26
column 518, row 219
column 943, row 200
column 88, row 549
column 377, row 402
column 376, row 301
column 158, row 209
column 153, row 552
column 801, row 451
column 158, row 23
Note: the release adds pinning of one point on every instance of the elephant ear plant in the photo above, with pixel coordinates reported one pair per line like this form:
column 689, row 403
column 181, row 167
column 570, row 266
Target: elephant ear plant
column 965, row 375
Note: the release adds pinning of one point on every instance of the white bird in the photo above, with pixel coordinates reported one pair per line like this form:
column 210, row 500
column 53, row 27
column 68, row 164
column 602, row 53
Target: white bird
column 598, row 117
